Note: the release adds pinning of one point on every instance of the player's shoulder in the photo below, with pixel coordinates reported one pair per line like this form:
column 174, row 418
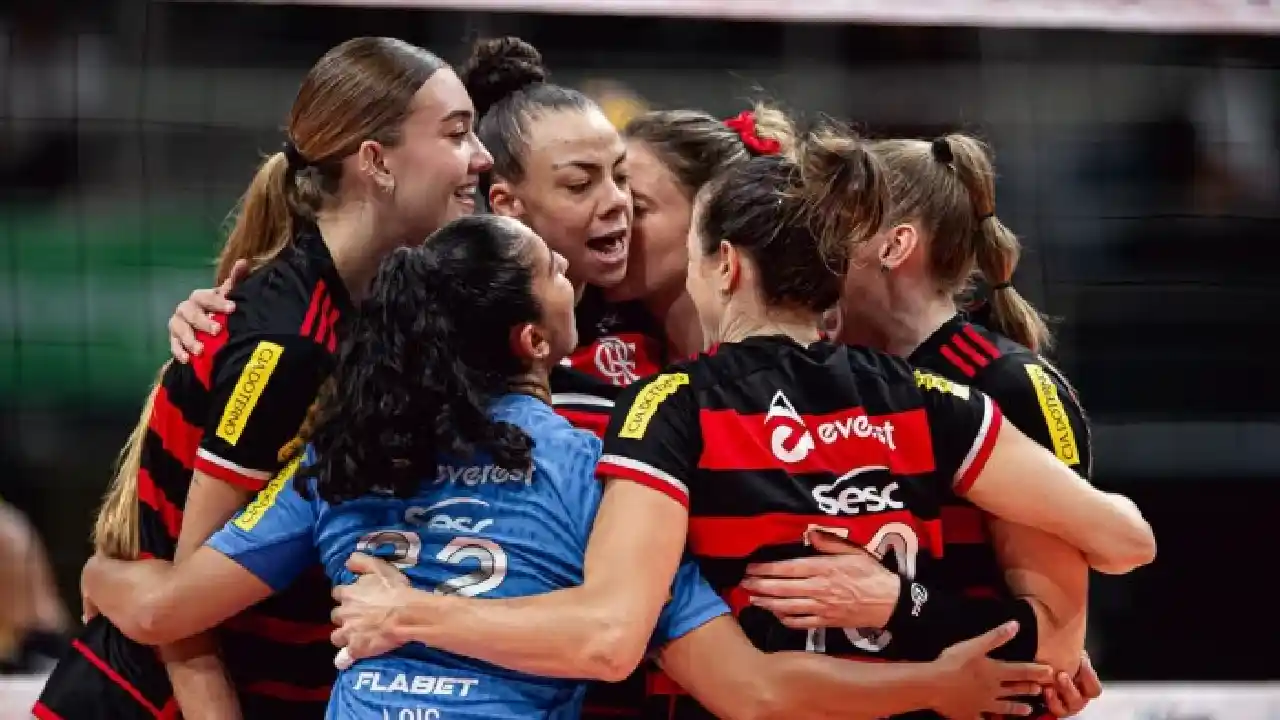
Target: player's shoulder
column 557, row 444
column 291, row 296
column 1022, row 377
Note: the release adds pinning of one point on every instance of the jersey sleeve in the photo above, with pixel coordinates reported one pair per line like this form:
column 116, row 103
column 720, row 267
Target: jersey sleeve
column 260, row 390
column 693, row 604
column 273, row 536
column 654, row 438
column 1037, row 399
column 570, row 458
column 963, row 424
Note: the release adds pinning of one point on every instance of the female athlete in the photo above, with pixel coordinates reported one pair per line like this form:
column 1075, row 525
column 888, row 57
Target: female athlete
column 807, row 434
column 437, row 448
column 380, row 153
column 899, row 297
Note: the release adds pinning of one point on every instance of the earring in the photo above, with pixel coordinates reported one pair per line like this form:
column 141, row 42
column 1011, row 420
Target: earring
column 389, row 187
column 884, row 268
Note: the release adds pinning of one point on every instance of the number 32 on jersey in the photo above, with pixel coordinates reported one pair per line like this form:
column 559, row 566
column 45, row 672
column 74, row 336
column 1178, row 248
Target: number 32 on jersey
column 406, row 550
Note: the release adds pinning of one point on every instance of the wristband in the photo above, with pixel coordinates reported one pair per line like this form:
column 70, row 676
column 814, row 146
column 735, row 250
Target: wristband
column 926, row 620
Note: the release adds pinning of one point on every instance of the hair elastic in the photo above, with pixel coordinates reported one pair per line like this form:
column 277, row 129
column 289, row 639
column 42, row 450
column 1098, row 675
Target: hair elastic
column 745, row 125
column 292, row 156
column 1006, row 285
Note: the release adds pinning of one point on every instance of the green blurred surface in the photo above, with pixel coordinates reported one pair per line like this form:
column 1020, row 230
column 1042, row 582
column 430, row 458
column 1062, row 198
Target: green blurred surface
column 84, row 297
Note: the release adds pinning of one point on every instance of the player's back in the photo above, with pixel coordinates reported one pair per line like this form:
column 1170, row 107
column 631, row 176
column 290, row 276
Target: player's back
column 478, row 530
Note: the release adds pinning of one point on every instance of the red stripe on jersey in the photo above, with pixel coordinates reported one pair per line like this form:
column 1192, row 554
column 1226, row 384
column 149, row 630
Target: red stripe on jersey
column 593, row 422
column 41, row 712
column 642, row 474
column 277, row 630
column 837, row 443
column 955, row 359
column 153, row 497
column 963, row 525
column 658, row 682
column 202, row 364
column 737, row 598
column 982, row 342
column 228, row 475
column 331, row 344
column 738, row 537
column 116, row 678
column 986, row 442
column 179, row 438
column 977, row 357
column 288, row 692
column 322, row 324
column 313, row 309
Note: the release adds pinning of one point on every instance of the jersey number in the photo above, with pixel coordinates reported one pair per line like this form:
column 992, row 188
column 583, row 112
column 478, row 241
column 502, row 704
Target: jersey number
column 406, row 550
column 905, row 544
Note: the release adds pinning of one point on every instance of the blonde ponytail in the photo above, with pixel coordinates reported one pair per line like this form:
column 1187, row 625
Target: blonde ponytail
column 115, row 533
column 774, row 124
column 996, row 250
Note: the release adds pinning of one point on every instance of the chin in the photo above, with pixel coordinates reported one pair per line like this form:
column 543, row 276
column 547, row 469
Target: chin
column 609, row 279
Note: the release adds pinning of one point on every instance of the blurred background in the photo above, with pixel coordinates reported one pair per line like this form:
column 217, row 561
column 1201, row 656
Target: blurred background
column 1139, row 151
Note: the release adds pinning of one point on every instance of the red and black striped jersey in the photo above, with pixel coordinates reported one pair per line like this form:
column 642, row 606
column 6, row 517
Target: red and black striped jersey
column 764, row 440
column 228, row 415
column 617, row 342
column 1035, row 397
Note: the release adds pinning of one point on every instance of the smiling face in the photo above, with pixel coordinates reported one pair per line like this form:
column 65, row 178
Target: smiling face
column 574, row 192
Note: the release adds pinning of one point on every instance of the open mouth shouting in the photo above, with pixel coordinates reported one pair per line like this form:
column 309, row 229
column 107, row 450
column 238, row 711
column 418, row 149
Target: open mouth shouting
column 609, row 248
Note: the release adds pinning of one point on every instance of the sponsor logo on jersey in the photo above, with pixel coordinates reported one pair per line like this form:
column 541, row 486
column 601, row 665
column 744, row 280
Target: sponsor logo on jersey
column 616, row 360
column 646, row 403
column 845, row 497
column 475, row 475
column 452, row 522
column 937, row 383
column 253, row 379
column 266, row 497
column 380, row 682
column 788, row 424
column 1055, row 416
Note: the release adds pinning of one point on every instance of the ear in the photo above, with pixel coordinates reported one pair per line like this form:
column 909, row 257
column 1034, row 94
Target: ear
column 900, row 243
column 529, row 342
column 503, row 201
column 372, row 163
column 729, row 266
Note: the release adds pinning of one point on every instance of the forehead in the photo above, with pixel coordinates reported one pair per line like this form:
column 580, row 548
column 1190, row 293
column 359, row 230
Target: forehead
column 563, row 137
column 442, row 95
column 649, row 175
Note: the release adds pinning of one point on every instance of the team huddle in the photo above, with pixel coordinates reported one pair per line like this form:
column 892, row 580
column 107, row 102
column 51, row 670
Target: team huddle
column 689, row 424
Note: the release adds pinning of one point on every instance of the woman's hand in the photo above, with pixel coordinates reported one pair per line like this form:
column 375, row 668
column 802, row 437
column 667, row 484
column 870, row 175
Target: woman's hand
column 365, row 608
column 970, row 684
column 1068, row 696
column 847, row 587
column 195, row 315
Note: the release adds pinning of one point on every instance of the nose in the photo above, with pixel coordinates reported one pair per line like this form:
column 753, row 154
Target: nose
column 481, row 160
column 618, row 200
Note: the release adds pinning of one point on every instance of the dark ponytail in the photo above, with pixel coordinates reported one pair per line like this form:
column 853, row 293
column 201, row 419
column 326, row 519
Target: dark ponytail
column 426, row 355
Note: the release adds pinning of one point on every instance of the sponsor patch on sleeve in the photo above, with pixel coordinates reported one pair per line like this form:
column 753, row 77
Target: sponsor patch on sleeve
column 1055, row 416
column 647, row 402
column 266, row 498
column 937, row 383
column 253, row 379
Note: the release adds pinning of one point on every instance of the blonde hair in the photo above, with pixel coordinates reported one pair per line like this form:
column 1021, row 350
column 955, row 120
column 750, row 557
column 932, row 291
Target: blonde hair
column 361, row 89
column 948, row 187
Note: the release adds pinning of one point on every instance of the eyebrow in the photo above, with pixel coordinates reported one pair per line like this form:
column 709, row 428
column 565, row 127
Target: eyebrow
column 457, row 115
column 587, row 165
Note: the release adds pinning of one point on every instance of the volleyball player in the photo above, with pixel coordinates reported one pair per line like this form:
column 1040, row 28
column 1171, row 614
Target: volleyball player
column 380, row 152
column 941, row 226
column 790, row 425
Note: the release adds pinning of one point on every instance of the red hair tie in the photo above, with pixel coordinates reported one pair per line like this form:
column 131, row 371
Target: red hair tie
column 745, row 125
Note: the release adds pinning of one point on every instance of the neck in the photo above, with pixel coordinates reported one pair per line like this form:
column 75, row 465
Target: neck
column 536, row 382
column 799, row 325
column 349, row 234
column 910, row 324
column 674, row 309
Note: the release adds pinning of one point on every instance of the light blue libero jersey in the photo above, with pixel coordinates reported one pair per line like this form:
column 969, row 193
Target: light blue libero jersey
column 475, row 530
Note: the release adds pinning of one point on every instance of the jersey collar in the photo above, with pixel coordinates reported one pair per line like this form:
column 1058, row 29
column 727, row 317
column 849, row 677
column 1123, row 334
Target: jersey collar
column 314, row 249
column 933, row 344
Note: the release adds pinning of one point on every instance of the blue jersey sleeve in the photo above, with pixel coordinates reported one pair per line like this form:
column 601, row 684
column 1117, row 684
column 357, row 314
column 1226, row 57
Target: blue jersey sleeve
column 569, row 457
column 273, row 536
column 693, row 604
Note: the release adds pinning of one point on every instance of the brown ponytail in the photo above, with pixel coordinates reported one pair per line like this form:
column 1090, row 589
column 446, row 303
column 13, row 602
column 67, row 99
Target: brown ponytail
column 996, row 248
column 843, row 190
column 362, row 89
